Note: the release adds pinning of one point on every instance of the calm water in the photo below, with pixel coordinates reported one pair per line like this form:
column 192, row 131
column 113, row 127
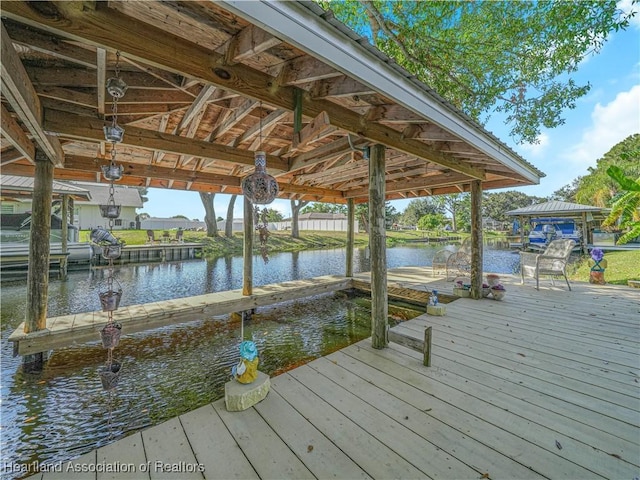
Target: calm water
column 64, row 412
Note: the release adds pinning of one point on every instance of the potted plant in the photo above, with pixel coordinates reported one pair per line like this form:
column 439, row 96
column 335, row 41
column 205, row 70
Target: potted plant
column 598, row 266
column 498, row 291
column 486, row 290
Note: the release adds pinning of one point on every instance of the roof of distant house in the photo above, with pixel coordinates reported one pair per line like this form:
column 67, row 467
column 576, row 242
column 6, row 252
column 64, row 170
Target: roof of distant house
column 125, row 196
column 23, row 186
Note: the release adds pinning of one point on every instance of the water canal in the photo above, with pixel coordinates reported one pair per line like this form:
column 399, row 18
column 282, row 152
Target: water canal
column 64, row 412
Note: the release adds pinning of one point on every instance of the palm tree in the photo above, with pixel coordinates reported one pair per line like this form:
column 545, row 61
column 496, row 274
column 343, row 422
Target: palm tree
column 626, row 208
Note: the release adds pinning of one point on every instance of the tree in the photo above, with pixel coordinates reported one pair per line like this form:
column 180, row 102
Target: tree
column 318, row 207
column 597, row 187
column 496, row 205
column 451, row 203
column 567, row 193
column 274, row 215
column 210, row 213
column 228, row 225
column 513, row 58
column 417, row 209
column 626, row 208
column 296, row 205
column 180, row 216
column 431, row 221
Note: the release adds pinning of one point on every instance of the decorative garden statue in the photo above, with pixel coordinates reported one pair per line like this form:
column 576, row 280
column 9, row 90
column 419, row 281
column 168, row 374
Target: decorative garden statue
column 246, row 371
column 433, row 299
column 598, row 266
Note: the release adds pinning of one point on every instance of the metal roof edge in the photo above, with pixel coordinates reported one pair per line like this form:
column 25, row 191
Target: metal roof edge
column 307, row 26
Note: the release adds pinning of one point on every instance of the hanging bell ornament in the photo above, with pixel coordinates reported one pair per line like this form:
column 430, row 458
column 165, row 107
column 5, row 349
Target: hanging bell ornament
column 260, row 187
column 112, row 172
column 113, row 133
column 116, row 87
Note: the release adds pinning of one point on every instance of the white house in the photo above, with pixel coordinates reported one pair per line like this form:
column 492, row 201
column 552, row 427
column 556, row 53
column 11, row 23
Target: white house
column 158, row 223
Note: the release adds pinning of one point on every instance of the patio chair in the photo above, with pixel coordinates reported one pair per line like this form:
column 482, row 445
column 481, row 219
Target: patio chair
column 151, row 238
column 439, row 262
column 459, row 263
column 166, row 238
column 179, row 236
column 553, row 261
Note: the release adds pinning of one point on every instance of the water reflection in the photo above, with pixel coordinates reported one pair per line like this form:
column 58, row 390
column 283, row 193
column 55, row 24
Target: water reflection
column 63, row 412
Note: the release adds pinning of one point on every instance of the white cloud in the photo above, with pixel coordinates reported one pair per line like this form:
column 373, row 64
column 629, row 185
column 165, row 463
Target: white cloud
column 611, row 123
column 627, row 7
column 536, row 149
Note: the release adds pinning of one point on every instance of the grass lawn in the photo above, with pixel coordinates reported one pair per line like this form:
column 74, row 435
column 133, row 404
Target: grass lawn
column 622, row 266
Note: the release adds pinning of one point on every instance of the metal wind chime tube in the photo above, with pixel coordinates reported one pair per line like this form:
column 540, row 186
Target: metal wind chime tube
column 111, row 247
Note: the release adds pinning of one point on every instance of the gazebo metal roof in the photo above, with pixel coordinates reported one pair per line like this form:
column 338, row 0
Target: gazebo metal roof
column 556, row 207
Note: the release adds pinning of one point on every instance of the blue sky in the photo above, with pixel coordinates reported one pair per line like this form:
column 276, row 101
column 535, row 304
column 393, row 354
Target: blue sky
column 608, row 114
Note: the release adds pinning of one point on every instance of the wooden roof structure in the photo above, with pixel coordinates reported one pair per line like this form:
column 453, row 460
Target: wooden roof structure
column 212, row 82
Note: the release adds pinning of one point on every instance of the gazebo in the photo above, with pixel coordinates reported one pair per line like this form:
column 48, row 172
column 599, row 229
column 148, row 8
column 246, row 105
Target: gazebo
column 210, row 83
column 584, row 214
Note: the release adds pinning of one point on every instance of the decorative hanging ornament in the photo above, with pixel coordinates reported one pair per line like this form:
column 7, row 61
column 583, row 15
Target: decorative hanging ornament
column 260, row 187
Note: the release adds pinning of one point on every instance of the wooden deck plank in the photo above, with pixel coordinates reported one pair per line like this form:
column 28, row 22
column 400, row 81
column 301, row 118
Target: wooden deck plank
column 375, row 458
column 426, row 457
column 476, row 455
column 78, row 469
column 614, row 404
column 127, row 456
column 575, row 403
column 531, row 444
column 565, row 373
column 214, row 447
column 539, row 408
column 317, row 452
column 167, row 448
column 269, row 455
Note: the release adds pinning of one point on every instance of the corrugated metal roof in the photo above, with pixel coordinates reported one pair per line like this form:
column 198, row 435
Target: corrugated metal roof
column 14, row 183
column 555, row 207
column 125, row 196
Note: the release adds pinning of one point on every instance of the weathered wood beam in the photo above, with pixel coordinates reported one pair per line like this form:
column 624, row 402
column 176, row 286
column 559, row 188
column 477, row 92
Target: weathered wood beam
column 377, row 244
column 430, row 181
column 351, row 216
column 323, row 153
column 10, row 156
column 18, row 90
column 101, row 80
column 87, row 128
column 393, row 114
column 476, row 239
column 165, row 96
column 199, row 104
column 87, row 100
column 113, row 30
column 16, row 136
column 267, row 124
column 305, row 69
column 316, row 129
column 339, row 87
column 248, row 42
column 83, row 78
column 234, row 117
column 51, row 45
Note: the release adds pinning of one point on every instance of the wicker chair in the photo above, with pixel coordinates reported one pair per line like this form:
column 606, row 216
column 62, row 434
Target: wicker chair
column 459, row 263
column 439, row 262
column 553, row 261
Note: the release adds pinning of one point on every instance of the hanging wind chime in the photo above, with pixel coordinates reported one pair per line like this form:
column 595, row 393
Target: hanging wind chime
column 111, row 247
column 260, row 188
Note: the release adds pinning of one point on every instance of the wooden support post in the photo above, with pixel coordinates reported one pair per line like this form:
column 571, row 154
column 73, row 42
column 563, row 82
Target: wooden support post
column 377, row 244
column 39, row 248
column 351, row 215
column 476, row 239
column 585, row 234
column 521, row 218
column 247, row 249
column 64, row 236
column 427, row 347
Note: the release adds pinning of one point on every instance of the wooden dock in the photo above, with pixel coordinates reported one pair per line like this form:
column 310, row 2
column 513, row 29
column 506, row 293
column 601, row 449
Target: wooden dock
column 543, row 384
column 157, row 252
column 67, row 330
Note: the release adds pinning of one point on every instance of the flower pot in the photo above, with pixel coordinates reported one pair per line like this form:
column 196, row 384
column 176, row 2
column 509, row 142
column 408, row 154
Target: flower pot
column 110, row 374
column 111, row 251
column 461, row 292
column 110, row 335
column 110, row 300
column 486, row 292
column 498, row 294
